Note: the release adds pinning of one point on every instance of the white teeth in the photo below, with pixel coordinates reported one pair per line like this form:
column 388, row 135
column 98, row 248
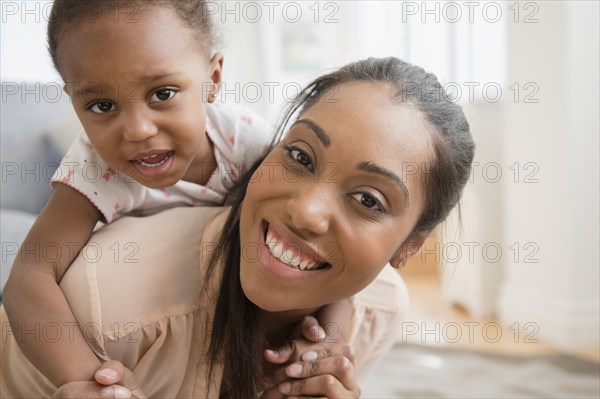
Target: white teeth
column 153, row 165
column 287, row 256
column 277, row 251
column 296, row 261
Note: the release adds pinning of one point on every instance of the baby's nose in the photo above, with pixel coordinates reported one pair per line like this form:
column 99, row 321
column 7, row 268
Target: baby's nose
column 138, row 126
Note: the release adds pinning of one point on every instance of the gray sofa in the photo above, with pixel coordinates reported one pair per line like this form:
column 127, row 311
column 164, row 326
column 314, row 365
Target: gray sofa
column 35, row 123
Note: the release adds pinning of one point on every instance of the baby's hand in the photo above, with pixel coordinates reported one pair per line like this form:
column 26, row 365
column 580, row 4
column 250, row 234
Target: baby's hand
column 113, row 380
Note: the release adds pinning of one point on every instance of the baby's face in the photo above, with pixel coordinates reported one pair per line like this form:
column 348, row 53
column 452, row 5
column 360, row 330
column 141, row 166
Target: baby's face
column 139, row 84
column 335, row 201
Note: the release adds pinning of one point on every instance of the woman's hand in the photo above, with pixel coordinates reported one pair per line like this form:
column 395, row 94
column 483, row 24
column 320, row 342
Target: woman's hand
column 327, row 372
column 317, row 369
column 113, row 380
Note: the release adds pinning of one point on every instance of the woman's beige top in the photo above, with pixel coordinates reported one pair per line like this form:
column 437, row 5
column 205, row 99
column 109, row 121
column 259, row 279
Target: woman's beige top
column 135, row 292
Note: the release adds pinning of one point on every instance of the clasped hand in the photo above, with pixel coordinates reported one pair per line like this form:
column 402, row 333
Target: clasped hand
column 311, row 367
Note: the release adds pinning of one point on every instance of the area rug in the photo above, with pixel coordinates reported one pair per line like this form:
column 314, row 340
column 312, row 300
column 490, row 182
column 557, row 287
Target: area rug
column 419, row 371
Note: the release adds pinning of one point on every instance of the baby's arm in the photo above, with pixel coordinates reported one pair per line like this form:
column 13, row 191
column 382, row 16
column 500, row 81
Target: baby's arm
column 33, row 299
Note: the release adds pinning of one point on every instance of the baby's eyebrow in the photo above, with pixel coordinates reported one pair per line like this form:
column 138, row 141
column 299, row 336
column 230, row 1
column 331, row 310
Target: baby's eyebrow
column 89, row 89
column 372, row 168
column 96, row 88
column 152, row 78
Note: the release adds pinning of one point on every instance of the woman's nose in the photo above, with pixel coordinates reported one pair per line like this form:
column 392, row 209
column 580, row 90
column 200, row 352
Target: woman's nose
column 138, row 125
column 310, row 211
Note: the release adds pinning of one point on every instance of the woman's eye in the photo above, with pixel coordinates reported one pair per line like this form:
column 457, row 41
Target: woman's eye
column 301, row 157
column 162, row 95
column 368, row 201
column 102, row 107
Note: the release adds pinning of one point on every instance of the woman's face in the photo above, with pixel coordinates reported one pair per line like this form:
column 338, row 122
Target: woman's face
column 335, row 200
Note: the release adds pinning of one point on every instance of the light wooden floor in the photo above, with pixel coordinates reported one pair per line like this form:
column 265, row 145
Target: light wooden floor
column 433, row 321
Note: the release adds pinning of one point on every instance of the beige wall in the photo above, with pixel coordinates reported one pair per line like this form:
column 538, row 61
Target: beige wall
column 559, row 213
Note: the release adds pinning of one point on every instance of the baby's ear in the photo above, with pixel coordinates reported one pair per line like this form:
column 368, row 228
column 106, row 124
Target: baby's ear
column 215, row 68
column 411, row 246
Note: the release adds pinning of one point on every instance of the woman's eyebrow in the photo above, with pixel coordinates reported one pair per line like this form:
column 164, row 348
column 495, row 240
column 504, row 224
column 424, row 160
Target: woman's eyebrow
column 364, row 165
column 317, row 130
column 372, row 168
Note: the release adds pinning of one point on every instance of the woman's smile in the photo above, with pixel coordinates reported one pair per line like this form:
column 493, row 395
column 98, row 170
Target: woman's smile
column 288, row 257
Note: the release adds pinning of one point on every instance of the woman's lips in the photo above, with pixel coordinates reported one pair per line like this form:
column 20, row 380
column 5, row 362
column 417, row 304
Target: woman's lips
column 154, row 164
column 290, row 253
column 285, row 270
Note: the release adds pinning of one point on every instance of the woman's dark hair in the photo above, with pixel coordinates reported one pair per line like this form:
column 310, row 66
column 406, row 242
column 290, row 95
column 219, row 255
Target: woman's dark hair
column 66, row 14
column 237, row 338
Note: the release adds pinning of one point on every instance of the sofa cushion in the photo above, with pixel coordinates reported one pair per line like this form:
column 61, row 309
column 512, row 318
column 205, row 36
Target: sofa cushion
column 28, row 160
column 62, row 134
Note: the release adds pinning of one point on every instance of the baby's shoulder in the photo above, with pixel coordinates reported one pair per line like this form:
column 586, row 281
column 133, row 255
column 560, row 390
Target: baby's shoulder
column 238, row 131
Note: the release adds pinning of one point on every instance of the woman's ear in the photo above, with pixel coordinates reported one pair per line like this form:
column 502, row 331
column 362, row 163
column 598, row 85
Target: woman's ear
column 411, row 246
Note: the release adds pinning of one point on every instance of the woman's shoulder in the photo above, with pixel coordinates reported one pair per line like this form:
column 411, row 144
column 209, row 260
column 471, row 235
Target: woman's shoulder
column 208, row 246
column 214, row 227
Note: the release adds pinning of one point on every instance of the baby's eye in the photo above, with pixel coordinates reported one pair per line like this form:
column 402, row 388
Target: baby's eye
column 301, row 157
column 101, row 107
column 369, row 201
column 162, row 95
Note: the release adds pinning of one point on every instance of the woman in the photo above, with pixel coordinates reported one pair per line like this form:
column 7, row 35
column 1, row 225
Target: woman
column 376, row 158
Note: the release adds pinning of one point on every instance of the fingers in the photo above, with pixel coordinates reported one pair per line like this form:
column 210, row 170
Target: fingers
column 339, row 367
column 89, row 390
column 310, row 352
column 279, row 355
column 311, row 330
column 274, row 375
column 326, row 386
column 113, row 372
column 113, row 380
column 297, row 350
column 327, row 371
column 335, row 350
column 110, row 372
column 314, row 352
